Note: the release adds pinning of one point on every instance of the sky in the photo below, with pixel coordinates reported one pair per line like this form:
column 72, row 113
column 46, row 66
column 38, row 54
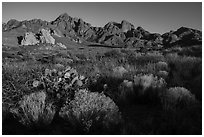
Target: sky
column 154, row 17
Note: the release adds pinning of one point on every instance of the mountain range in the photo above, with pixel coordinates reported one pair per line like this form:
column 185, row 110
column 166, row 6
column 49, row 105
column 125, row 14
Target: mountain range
column 113, row 34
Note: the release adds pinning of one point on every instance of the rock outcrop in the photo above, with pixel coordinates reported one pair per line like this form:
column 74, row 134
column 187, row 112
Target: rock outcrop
column 45, row 37
column 29, row 39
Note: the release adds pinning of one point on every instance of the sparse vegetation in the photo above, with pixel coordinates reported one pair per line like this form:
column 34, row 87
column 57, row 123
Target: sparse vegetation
column 92, row 97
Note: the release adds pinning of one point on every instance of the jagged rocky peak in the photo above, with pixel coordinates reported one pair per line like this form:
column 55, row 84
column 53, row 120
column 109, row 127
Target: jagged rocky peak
column 63, row 16
column 112, row 24
column 126, row 26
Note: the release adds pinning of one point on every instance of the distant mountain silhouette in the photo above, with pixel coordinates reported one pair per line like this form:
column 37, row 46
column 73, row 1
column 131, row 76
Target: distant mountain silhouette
column 122, row 34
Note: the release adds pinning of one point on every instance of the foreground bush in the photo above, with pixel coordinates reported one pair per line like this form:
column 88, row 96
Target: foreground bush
column 149, row 87
column 90, row 111
column 33, row 111
column 177, row 98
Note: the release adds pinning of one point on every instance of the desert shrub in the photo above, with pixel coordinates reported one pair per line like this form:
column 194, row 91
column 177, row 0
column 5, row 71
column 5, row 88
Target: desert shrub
column 148, row 87
column 148, row 80
column 177, row 98
column 161, row 65
column 119, row 71
column 126, row 91
column 186, row 72
column 91, row 110
column 33, row 110
column 162, row 73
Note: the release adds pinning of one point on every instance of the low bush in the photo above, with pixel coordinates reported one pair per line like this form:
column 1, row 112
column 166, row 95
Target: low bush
column 148, row 81
column 161, row 65
column 185, row 72
column 177, row 98
column 119, row 71
column 148, row 88
column 33, row 110
column 163, row 74
column 91, row 110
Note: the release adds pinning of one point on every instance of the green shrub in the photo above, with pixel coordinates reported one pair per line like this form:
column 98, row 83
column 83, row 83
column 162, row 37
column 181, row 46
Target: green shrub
column 34, row 111
column 177, row 98
column 91, row 110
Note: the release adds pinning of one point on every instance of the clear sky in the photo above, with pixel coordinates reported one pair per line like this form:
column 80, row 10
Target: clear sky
column 154, row 17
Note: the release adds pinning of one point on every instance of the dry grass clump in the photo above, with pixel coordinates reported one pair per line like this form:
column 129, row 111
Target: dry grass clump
column 34, row 111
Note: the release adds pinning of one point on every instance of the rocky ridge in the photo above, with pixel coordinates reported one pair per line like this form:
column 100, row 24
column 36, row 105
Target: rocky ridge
column 113, row 34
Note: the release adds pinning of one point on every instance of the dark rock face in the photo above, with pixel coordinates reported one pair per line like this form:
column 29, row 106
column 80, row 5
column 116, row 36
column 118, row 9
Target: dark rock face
column 189, row 36
column 169, row 38
column 112, row 27
column 135, row 42
column 183, row 36
column 114, row 40
column 112, row 34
